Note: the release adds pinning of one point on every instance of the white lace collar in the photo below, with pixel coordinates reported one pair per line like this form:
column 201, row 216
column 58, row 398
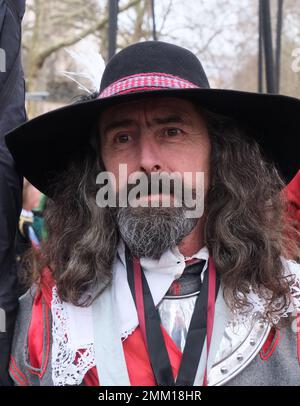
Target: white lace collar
column 291, row 270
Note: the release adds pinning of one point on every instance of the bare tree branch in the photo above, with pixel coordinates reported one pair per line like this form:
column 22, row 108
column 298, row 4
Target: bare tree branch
column 208, row 42
column 65, row 42
column 165, row 17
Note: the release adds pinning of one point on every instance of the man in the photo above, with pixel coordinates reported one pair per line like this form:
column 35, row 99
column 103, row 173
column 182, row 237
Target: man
column 118, row 277
column 12, row 114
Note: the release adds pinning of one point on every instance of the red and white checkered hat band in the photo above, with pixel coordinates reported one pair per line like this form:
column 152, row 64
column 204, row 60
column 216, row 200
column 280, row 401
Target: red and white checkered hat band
column 146, row 81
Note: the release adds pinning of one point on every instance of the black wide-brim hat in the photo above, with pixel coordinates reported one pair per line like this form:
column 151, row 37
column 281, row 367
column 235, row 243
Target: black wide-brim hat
column 44, row 146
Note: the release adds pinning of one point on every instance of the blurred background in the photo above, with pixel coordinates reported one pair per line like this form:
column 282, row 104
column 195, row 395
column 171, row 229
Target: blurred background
column 251, row 45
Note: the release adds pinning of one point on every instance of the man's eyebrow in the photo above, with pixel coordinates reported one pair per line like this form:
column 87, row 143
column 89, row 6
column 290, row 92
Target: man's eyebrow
column 117, row 124
column 173, row 118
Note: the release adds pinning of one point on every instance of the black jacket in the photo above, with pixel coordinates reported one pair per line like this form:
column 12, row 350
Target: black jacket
column 12, row 113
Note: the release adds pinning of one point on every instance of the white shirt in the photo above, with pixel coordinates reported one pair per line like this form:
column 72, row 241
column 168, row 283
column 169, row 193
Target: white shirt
column 160, row 275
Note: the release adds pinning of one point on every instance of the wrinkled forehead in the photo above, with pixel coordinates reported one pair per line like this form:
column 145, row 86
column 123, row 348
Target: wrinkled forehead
column 150, row 105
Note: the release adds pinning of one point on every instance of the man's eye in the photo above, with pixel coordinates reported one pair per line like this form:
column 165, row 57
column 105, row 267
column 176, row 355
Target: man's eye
column 172, row 132
column 122, row 138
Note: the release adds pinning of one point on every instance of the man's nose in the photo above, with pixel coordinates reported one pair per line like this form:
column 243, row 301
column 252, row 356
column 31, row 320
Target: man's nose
column 150, row 155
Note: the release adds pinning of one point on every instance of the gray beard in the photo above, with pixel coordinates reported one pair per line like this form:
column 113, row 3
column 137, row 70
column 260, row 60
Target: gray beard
column 150, row 231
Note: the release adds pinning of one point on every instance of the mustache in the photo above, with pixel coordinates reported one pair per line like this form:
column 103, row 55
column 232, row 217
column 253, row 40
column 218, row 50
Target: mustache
column 175, row 186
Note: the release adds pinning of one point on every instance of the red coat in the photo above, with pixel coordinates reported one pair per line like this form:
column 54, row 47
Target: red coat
column 136, row 356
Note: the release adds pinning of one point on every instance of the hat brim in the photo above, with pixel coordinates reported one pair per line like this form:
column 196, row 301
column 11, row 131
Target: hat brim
column 43, row 147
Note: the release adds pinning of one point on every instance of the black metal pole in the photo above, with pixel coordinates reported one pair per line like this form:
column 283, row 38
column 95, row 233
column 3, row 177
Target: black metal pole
column 278, row 44
column 268, row 46
column 260, row 49
column 113, row 9
column 154, row 34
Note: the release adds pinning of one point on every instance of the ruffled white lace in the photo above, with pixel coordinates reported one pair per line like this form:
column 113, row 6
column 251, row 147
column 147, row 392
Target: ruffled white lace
column 69, row 364
column 126, row 333
column 260, row 305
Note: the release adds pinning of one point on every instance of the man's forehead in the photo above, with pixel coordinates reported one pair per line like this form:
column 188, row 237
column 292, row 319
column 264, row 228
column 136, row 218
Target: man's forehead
column 163, row 105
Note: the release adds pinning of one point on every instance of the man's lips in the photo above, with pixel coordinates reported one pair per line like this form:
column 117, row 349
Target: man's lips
column 160, row 197
column 157, row 195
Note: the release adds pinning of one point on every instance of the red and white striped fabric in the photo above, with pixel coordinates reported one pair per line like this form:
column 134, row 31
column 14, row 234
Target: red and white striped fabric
column 146, row 81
